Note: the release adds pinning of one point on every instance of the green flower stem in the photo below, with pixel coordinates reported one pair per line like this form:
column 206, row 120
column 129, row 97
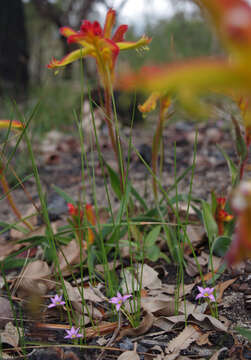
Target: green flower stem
column 108, row 119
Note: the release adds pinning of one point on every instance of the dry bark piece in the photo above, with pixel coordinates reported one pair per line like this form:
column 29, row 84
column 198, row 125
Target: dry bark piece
column 35, row 279
column 5, row 312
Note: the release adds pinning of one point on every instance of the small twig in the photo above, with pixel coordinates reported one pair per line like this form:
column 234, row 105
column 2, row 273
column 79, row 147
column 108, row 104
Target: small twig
column 113, row 338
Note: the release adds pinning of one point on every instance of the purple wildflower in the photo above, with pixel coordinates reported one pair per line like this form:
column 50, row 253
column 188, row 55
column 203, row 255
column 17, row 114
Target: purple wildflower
column 73, row 333
column 56, row 301
column 205, row 293
column 119, row 300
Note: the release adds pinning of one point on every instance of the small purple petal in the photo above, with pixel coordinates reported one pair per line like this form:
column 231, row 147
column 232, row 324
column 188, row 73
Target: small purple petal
column 72, row 333
column 199, row 296
column 114, row 300
column 118, row 306
column 212, row 298
column 125, row 297
column 201, row 289
column 51, row 305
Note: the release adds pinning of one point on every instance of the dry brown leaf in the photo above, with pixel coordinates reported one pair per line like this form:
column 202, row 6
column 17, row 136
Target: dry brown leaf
column 222, row 287
column 195, row 234
column 10, row 335
column 38, row 231
column 111, row 266
column 170, row 289
column 74, row 293
column 203, row 339
column 183, row 340
column 35, row 278
column 103, row 328
column 158, row 307
column 155, row 348
column 5, row 312
column 31, row 214
column 144, row 326
column 163, row 323
column 207, row 322
column 172, row 356
column 131, row 282
column 217, row 353
column 150, row 278
column 129, row 355
column 192, row 268
column 78, row 304
column 70, row 255
column 8, row 247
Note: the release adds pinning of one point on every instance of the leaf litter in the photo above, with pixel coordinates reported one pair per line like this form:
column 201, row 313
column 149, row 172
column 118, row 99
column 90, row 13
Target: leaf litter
column 180, row 325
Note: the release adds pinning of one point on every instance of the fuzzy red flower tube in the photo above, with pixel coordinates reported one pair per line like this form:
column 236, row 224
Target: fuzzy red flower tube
column 240, row 249
column 189, row 80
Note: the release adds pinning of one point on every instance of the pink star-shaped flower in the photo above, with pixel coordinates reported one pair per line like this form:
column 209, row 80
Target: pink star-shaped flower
column 73, row 333
column 119, row 300
column 56, row 301
column 205, row 293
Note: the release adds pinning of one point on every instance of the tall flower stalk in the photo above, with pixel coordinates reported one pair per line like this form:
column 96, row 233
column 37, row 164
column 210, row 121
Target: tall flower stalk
column 99, row 43
column 149, row 105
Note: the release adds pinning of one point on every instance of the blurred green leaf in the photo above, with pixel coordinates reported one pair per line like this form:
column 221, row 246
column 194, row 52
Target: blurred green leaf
column 231, row 166
column 152, row 236
column 209, row 222
column 221, row 245
column 115, row 182
column 244, row 332
column 153, row 253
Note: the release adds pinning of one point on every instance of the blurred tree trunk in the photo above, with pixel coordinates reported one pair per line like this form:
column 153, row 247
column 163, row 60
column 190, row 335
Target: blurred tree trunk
column 14, row 56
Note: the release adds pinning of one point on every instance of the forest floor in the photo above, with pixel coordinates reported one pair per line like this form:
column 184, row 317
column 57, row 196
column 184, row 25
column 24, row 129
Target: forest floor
column 162, row 333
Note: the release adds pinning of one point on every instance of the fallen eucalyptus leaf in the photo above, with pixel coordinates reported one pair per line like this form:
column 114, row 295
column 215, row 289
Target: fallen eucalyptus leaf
column 144, row 326
column 34, row 279
column 183, row 340
column 10, row 335
column 129, row 355
column 207, row 322
column 70, row 255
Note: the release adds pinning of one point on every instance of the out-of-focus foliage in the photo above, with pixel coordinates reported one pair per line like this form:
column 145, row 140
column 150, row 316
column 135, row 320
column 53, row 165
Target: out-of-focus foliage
column 182, row 36
column 173, row 38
